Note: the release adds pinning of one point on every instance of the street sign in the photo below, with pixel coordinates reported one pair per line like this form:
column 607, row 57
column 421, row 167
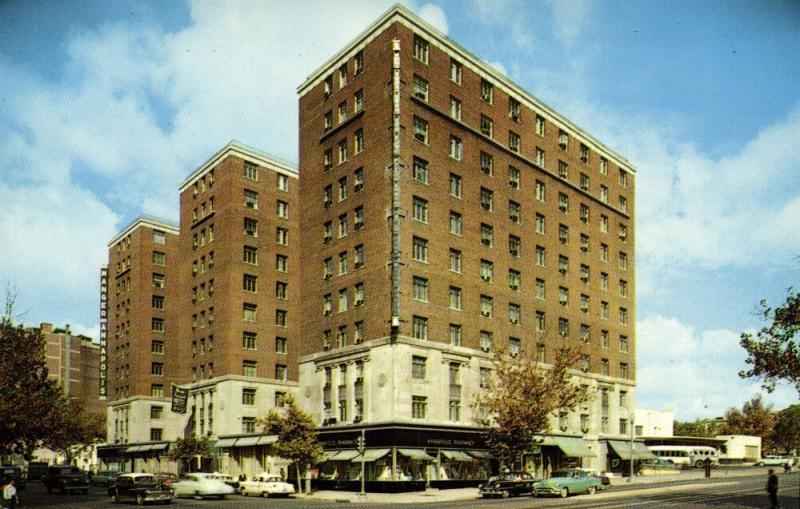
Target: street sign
column 179, row 397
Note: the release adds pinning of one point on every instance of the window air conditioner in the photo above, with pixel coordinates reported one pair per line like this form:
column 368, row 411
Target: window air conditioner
column 513, row 183
column 485, row 313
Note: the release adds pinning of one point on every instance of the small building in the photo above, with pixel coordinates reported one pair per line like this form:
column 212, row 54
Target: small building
column 740, row 448
column 654, row 423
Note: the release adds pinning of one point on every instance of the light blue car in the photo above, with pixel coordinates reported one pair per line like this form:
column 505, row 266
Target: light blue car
column 567, row 482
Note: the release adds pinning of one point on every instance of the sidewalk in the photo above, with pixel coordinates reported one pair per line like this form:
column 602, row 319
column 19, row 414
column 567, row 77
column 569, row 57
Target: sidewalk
column 690, row 474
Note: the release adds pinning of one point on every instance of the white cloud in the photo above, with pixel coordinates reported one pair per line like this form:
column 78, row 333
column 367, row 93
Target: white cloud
column 434, row 15
column 570, row 18
column 694, row 372
column 499, row 67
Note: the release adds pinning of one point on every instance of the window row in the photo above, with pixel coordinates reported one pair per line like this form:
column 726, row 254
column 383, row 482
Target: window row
column 342, row 153
column 250, row 342
column 199, row 239
column 342, row 300
column 251, row 172
column 342, row 74
column 343, row 225
column 342, row 112
column 342, row 188
column 250, row 314
column 342, row 262
column 341, row 340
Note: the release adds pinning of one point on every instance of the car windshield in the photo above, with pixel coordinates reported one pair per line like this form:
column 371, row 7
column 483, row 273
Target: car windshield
column 563, row 473
column 69, row 471
column 145, row 479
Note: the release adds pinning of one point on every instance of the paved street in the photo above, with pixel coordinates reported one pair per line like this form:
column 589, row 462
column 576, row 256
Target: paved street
column 745, row 490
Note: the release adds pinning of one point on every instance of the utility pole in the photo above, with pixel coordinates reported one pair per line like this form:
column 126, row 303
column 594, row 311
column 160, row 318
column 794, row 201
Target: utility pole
column 633, row 427
column 361, row 441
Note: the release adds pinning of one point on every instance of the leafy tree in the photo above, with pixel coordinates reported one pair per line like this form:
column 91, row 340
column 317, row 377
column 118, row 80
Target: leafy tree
column 33, row 409
column 185, row 449
column 754, row 418
column 80, row 430
column 697, row 428
column 297, row 437
column 787, row 430
column 774, row 352
column 519, row 401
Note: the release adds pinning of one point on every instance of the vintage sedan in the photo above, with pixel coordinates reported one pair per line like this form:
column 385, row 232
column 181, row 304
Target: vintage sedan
column 142, row 488
column 105, row 478
column 567, row 482
column 509, row 484
column 266, row 485
column 200, row 485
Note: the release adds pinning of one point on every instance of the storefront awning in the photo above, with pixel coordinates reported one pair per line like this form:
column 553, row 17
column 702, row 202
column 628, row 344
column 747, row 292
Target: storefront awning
column 573, row 447
column 134, row 448
column 623, row 450
column 344, row 455
column 159, row 447
column 225, row 442
column 370, row 455
column 456, row 455
column 247, row 441
column 267, row 439
column 416, row 454
column 481, row 455
column 328, row 456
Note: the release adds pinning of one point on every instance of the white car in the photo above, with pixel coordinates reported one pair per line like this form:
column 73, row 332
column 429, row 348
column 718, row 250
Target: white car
column 775, row 460
column 266, row 485
column 200, row 485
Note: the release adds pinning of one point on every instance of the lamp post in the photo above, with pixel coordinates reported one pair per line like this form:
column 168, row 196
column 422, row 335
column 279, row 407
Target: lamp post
column 361, row 448
column 633, row 427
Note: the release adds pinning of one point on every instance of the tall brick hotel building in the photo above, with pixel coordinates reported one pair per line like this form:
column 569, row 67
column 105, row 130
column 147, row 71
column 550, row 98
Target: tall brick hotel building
column 440, row 215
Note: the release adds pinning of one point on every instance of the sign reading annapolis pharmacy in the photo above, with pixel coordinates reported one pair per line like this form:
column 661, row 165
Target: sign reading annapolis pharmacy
column 406, row 436
column 179, row 397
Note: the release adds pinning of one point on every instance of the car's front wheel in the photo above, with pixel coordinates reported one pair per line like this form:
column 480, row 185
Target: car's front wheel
column 564, row 493
column 140, row 499
column 592, row 490
column 116, row 497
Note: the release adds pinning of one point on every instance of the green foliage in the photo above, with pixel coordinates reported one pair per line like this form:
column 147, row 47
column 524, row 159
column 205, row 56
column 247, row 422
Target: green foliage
column 189, row 447
column 519, row 402
column 754, row 418
column 774, row 353
column 698, row 428
column 787, row 430
column 33, row 410
column 297, row 436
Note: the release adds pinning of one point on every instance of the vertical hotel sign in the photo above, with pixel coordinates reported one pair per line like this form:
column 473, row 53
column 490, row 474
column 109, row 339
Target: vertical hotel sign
column 103, row 332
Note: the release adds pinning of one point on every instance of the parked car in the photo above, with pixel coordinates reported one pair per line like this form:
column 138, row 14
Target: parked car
column 65, row 478
column 105, row 478
column 8, row 472
column 775, row 460
column 142, row 488
column 36, row 470
column 509, row 484
column 266, row 485
column 200, row 485
column 227, row 479
column 166, row 478
column 605, row 481
column 566, row 482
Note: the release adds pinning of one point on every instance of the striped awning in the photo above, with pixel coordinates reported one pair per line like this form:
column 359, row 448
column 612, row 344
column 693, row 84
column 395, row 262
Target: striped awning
column 456, row 455
column 370, row 455
column 415, row 454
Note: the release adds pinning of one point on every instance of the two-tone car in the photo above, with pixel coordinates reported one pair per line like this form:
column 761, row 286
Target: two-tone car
column 564, row 483
column 508, row 484
column 266, row 485
column 775, row 460
column 105, row 478
column 141, row 488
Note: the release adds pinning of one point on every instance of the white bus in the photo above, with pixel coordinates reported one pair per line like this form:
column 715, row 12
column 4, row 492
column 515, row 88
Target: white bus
column 686, row 455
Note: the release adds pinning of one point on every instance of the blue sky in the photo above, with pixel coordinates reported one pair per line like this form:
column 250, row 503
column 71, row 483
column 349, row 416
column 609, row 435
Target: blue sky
column 106, row 106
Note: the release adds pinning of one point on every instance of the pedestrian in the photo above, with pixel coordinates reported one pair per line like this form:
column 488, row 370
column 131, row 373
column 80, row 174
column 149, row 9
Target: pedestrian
column 772, row 490
column 707, row 466
column 10, row 494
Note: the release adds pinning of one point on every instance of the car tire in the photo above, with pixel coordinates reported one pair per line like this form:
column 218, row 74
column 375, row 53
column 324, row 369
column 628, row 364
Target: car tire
column 592, row 490
column 564, row 493
column 760, row 464
column 116, row 497
column 698, row 464
column 505, row 494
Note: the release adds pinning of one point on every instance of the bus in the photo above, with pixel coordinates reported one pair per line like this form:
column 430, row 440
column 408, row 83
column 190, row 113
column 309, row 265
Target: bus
column 686, row 455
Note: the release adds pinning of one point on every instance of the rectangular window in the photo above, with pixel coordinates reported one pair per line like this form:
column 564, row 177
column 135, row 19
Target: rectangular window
column 540, row 289
column 157, row 325
column 157, row 368
column 487, row 163
column 420, row 249
column 455, row 71
column 249, row 368
column 584, row 153
column 486, row 341
column 623, row 344
column 539, row 224
column 250, row 255
column 418, row 365
column 281, row 372
column 456, row 223
column 282, row 236
column 159, row 258
column 604, row 252
column 249, row 312
column 487, row 126
column 456, row 148
column 420, row 209
column 603, row 194
column 604, row 339
column 540, row 256
column 563, row 202
column 623, row 370
column 343, row 76
column 359, row 294
column 249, row 340
column 623, row 261
column 623, row 316
column 455, row 185
column 623, row 177
column 603, row 166
column 282, row 182
column 563, row 233
column 251, row 227
column 514, row 279
column 541, row 321
column 156, row 411
column 540, row 125
column 157, row 346
column 487, row 199
column 455, row 260
column 419, row 327
column 248, row 396
column 419, row 406
column 420, row 288
column 358, row 261
column 455, row 298
column 159, row 237
column 455, row 334
column 358, row 141
column 248, row 425
column 342, row 151
column 342, row 300
column 342, row 225
column 584, row 182
column 420, row 88
column 513, row 177
column 514, row 211
column 358, row 101
column 487, row 306
column 420, row 170
column 455, row 108
column 281, row 317
column 514, row 246
column 250, row 199
column 249, row 283
column 420, row 49
column 421, row 130
column 358, row 332
column 623, row 288
column 563, row 327
column 157, row 302
column 327, row 159
column 158, row 280
column 250, row 171
column 514, row 141
column 358, row 63
column 514, row 313
column 604, row 281
column 281, row 290
column 487, row 235
column 487, row 271
column 513, row 109
column 487, row 91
